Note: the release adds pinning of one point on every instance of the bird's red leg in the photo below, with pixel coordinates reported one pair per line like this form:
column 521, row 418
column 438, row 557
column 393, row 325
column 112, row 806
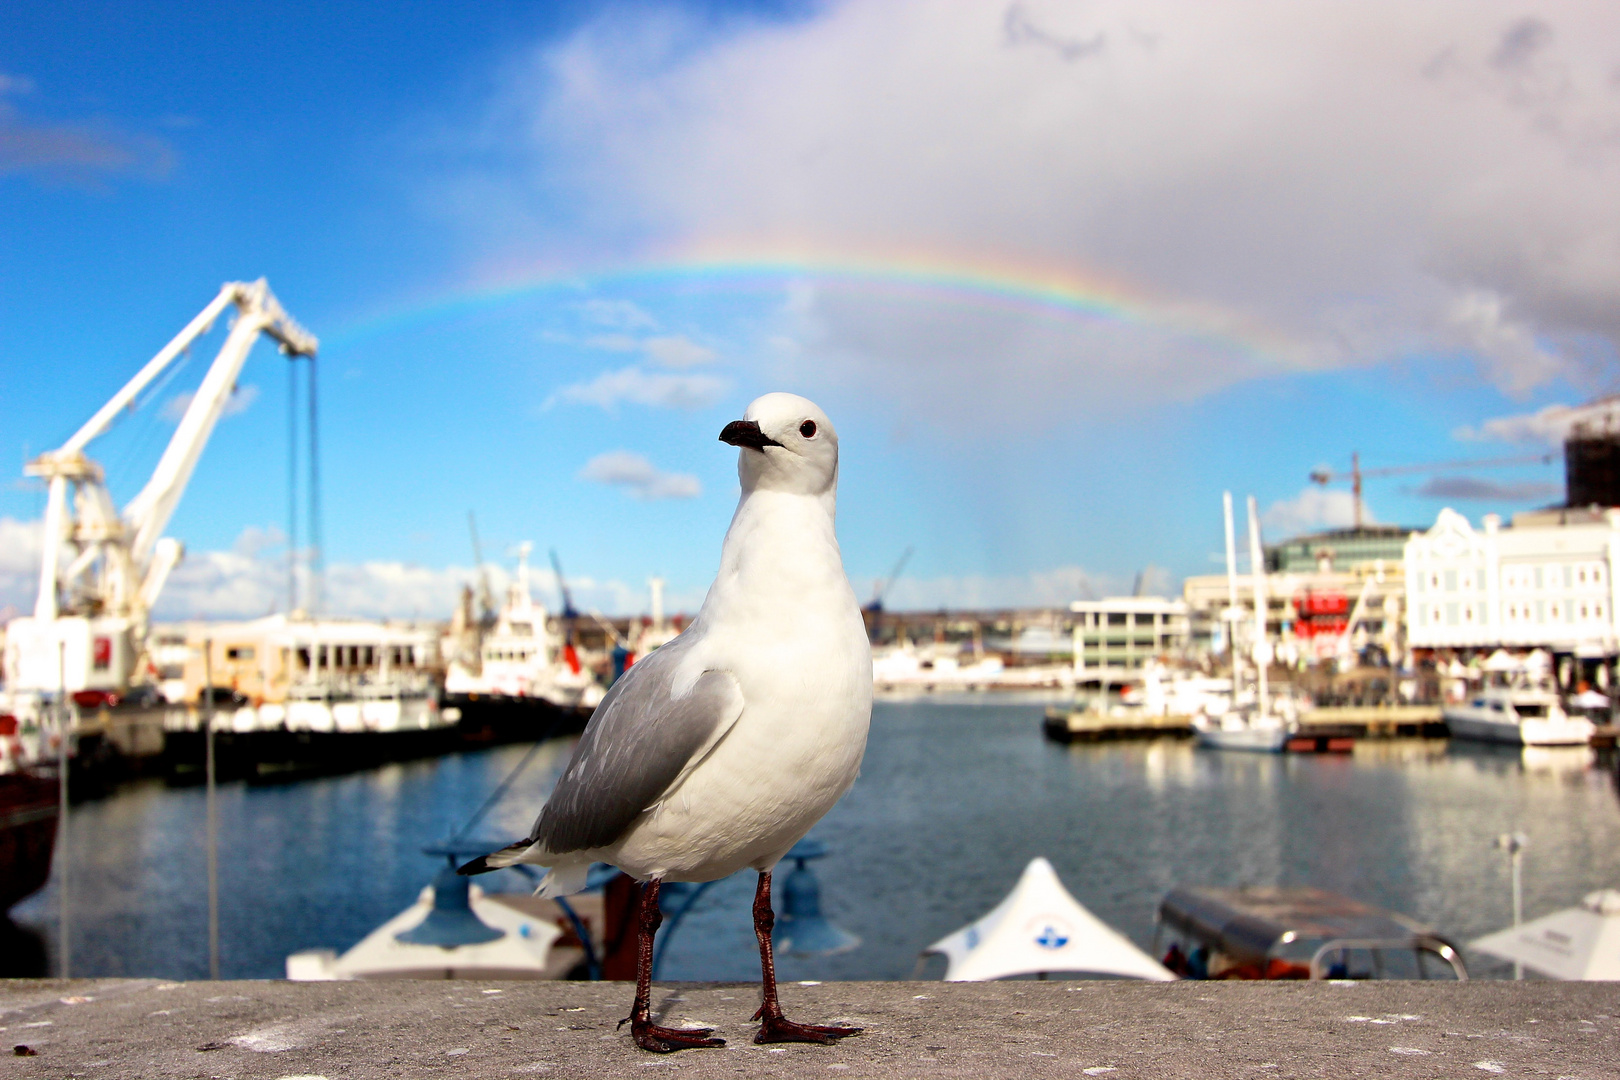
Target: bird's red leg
column 774, row 1027
column 649, row 1036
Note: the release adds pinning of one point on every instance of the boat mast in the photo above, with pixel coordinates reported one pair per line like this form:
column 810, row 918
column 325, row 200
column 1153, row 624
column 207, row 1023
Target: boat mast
column 1231, row 616
column 1262, row 646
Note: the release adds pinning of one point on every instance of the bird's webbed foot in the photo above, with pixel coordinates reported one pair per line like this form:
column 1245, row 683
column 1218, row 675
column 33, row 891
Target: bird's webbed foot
column 663, row 1040
column 780, row 1029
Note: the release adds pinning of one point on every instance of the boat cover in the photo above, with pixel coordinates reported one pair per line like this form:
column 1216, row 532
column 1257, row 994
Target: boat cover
column 1581, row 942
column 1250, row 923
column 1039, row 928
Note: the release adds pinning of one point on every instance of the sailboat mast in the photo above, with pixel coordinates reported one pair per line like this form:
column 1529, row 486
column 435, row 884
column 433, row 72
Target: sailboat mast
column 1231, row 616
column 1262, row 646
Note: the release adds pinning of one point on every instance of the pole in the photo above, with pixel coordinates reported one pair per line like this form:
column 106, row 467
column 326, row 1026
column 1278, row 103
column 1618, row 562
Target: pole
column 64, row 909
column 1514, row 844
column 1262, row 645
column 1231, row 595
column 213, row 813
column 1355, row 484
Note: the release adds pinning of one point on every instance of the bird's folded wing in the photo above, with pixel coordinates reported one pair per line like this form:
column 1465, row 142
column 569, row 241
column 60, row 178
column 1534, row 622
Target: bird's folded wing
column 641, row 741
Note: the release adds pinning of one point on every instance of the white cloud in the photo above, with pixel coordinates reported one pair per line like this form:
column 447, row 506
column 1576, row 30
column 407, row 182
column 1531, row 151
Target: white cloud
column 676, row 351
column 1506, row 350
column 241, row 399
column 1258, row 185
column 639, row 477
column 638, row 386
column 250, row 580
column 1313, row 508
column 1550, row 425
column 617, row 314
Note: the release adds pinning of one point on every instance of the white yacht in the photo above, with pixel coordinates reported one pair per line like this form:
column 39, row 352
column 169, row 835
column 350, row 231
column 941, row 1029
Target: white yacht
column 1261, row 720
column 1526, row 714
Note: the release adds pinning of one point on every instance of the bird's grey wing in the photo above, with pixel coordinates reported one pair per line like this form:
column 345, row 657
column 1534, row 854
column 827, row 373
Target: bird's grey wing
column 638, row 743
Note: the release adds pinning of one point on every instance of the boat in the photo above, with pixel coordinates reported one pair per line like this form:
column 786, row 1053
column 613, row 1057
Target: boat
column 28, row 811
column 291, row 697
column 521, row 676
column 1526, row 714
column 1261, row 720
column 1242, row 729
column 1295, row 932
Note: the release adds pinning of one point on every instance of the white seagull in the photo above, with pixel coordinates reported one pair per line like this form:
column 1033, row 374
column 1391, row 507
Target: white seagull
column 722, row 748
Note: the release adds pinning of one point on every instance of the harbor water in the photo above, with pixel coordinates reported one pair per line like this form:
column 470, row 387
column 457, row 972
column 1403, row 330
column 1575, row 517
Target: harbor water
column 953, row 800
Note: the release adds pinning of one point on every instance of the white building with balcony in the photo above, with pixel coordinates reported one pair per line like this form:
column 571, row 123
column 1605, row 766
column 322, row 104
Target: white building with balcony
column 1549, row 580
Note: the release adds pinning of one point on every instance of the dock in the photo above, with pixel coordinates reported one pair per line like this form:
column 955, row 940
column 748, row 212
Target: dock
column 1069, row 725
column 1328, row 729
column 105, row 1029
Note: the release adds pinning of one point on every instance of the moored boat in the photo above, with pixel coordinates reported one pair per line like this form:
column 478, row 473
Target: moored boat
column 1522, row 715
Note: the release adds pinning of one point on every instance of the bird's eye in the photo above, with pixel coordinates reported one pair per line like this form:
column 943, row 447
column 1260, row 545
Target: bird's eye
column 808, row 429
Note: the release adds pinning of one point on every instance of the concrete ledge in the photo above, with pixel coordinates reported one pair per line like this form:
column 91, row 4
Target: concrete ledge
column 145, row 1028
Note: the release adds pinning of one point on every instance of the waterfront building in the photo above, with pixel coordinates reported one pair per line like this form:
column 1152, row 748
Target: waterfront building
column 1125, row 632
column 1546, row 580
column 1310, row 610
column 1358, row 548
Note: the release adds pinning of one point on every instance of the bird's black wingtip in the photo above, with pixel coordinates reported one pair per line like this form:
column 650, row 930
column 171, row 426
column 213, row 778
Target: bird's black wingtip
column 479, row 865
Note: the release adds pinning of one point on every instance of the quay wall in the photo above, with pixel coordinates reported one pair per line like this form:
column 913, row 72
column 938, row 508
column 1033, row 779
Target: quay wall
column 141, row 1028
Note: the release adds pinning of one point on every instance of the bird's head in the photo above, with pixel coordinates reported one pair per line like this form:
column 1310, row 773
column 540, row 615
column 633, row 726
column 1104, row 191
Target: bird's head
column 787, row 444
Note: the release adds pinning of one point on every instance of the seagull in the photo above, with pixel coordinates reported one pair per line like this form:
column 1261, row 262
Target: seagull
column 719, row 750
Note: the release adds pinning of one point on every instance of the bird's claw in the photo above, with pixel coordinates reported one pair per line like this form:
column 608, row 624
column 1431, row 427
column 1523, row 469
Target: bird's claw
column 662, row 1040
column 780, row 1029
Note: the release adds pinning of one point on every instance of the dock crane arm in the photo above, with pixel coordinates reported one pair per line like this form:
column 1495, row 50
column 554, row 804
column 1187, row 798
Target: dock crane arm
column 569, row 611
column 137, row 562
column 1325, row 476
column 881, row 588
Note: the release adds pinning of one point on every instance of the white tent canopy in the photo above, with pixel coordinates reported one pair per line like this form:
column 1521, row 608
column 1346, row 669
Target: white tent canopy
column 1575, row 943
column 1038, row 928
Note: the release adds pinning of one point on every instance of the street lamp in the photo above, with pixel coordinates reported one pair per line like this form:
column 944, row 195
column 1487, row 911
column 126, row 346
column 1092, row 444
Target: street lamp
column 1514, row 844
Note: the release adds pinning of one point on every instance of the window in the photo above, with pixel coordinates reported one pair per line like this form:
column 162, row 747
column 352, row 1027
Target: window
column 1116, row 618
column 239, row 652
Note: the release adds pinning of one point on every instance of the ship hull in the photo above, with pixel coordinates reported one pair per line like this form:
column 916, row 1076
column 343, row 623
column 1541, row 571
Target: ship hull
column 28, row 816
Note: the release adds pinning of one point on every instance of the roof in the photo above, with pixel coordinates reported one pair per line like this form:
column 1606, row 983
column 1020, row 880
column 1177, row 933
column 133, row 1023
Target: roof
column 1039, row 928
column 1250, row 923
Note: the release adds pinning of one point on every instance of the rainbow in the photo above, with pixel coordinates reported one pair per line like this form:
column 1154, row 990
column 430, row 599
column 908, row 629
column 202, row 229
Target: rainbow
column 1042, row 292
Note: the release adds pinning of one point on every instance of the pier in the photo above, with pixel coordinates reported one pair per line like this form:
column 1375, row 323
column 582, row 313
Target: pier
column 124, row 1028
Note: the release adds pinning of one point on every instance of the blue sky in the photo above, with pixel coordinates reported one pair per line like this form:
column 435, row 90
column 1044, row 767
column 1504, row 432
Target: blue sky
column 552, row 249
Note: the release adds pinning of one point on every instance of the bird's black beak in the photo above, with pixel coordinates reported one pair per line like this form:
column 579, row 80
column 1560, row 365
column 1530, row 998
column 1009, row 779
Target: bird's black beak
column 746, row 433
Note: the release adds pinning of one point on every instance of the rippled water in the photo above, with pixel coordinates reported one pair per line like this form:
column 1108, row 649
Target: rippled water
column 953, row 801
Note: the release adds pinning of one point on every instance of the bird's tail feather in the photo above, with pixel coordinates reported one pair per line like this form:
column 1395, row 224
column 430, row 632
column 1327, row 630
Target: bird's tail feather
column 510, row 855
column 564, row 881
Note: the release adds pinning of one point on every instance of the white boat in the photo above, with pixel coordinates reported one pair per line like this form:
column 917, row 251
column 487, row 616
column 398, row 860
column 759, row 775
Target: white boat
column 1243, row 729
column 523, row 664
column 1263, row 721
column 1526, row 714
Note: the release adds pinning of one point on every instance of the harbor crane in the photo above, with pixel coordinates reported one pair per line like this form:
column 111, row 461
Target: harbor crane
column 880, row 588
column 103, row 568
column 1356, row 474
column 569, row 611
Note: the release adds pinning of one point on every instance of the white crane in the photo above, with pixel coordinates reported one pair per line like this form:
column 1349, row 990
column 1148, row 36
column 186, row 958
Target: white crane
column 103, row 568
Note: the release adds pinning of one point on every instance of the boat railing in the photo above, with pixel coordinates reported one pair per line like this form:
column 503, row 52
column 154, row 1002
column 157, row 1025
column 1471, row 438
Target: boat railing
column 1418, row 944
